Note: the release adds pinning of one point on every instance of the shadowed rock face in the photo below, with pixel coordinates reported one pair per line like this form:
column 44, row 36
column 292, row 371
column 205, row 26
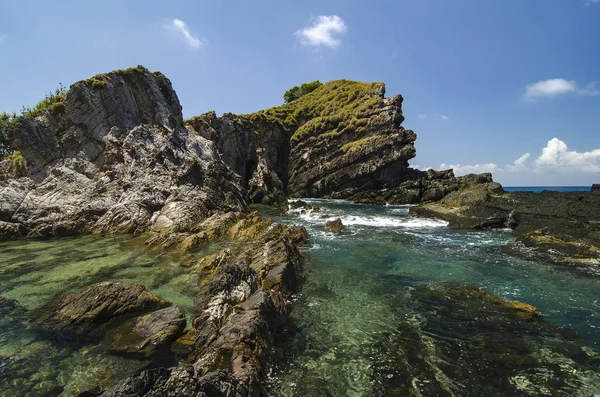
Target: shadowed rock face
column 343, row 140
column 114, row 156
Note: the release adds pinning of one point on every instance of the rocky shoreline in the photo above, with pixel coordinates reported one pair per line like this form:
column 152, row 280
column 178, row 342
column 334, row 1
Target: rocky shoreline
column 115, row 156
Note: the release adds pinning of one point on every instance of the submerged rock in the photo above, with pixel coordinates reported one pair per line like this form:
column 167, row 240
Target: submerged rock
column 464, row 341
column 335, row 226
column 82, row 312
column 147, row 334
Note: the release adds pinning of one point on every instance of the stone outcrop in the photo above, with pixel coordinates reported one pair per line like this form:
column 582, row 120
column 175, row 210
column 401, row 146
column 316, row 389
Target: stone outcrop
column 335, row 226
column 114, row 156
column 146, row 335
column 343, row 140
column 242, row 304
column 560, row 227
column 83, row 311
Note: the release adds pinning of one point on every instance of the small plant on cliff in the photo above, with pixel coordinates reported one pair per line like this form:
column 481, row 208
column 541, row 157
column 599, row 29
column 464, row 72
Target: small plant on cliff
column 296, row 92
column 6, row 121
column 51, row 101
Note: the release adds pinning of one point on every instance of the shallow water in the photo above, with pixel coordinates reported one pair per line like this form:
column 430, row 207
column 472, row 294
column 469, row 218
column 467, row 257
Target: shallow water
column 353, row 296
column 356, row 283
column 34, row 272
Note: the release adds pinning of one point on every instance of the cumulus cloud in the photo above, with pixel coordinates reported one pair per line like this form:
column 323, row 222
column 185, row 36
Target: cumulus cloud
column 556, row 155
column 180, row 27
column 470, row 169
column 556, row 87
column 324, row 31
column 444, row 117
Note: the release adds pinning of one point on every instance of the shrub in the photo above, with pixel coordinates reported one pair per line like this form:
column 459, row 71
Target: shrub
column 296, row 92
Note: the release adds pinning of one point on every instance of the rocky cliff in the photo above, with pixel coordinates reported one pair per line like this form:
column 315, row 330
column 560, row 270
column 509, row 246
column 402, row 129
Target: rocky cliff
column 113, row 156
column 343, row 140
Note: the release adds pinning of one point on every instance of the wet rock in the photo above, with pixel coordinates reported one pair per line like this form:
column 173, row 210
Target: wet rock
column 82, row 312
column 147, row 334
column 8, row 306
column 241, row 306
column 335, row 226
column 561, row 227
column 464, row 341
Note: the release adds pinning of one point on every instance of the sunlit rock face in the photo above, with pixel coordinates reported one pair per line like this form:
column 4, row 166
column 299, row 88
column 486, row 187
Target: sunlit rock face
column 114, row 156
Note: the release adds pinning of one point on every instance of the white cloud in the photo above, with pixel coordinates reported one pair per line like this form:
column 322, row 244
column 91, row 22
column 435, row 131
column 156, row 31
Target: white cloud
column 177, row 25
column 323, row 32
column 557, row 156
column 422, row 116
column 519, row 165
column 444, row 117
column 590, row 2
column 555, row 87
column 470, row 169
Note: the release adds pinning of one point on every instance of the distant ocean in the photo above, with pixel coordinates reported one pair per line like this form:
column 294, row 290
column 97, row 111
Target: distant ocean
column 539, row 189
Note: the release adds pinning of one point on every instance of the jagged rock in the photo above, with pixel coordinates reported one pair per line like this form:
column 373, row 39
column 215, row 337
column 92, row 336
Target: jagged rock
column 241, row 306
column 595, row 188
column 461, row 337
column 335, row 226
column 561, row 227
column 83, row 311
column 144, row 335
column 114, row 156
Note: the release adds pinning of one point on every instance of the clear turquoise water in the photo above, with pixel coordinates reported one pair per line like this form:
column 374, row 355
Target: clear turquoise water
column 34, row 272
column 353, row 293
column 356, row 282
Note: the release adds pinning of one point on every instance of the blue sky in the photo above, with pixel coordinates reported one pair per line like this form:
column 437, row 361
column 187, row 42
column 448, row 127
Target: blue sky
column 484, row 82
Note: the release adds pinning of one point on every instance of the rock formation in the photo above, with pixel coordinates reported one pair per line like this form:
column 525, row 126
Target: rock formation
column 113, row 156
column 561, row 227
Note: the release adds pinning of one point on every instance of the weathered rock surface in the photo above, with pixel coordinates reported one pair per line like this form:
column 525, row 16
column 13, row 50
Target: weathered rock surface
column 115, row 156
column 343, row 140
column 464, row 341
column 241, row 305
column 83, row 311
column 560, row 227
column 335, row 226
column 147, row 334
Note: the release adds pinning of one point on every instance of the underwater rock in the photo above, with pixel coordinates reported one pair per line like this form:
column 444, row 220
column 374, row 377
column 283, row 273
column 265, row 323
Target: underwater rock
column 145, row 335
column 335, row 226
column 81, row 312
column 460, row 340
column 8, row 306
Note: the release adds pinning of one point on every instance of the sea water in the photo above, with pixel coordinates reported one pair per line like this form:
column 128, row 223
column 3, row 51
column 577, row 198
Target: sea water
column 353, row 286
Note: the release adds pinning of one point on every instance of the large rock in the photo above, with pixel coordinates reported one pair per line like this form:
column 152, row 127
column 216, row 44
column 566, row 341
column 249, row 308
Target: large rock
column 145, row 335
column 239, row 310
column 561, row 227
column 114, row 156
column 343, row 140
column 83, row 311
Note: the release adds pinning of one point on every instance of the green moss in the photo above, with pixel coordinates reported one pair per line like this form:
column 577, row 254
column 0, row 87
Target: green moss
column 356, row 145
column 338, row 107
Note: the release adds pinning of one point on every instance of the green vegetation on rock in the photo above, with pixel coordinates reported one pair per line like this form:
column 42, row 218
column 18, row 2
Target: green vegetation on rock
column 296, row 92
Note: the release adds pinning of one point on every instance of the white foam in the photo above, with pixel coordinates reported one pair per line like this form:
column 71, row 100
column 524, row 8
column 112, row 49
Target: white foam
column 387, row 221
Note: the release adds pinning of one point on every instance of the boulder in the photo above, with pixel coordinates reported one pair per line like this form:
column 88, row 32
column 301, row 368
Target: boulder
column 335, row 226
column 145, row 335
column 82, row 312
